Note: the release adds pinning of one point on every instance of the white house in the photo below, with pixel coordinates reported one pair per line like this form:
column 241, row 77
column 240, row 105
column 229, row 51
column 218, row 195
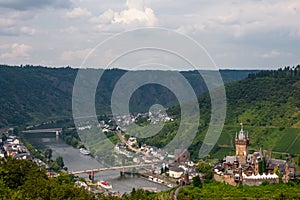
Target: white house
column 2, row 154
column 132, row 140
column 16, row 141
column 175, row 172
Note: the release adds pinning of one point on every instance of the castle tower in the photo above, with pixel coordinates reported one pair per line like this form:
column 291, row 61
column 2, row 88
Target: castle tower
column 241, row 145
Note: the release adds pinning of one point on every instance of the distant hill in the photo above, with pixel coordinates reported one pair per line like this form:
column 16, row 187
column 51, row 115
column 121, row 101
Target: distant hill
column 32, row 94
column 267, row 102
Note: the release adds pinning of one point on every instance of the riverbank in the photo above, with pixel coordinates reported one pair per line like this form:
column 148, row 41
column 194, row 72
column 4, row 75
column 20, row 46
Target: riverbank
column 75, row 161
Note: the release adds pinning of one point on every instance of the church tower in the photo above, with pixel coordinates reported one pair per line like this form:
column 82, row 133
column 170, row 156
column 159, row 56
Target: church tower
column 241, row 145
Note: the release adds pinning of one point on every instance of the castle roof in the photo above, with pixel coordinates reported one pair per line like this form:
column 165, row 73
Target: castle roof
column 242, row 135
column 230, row 159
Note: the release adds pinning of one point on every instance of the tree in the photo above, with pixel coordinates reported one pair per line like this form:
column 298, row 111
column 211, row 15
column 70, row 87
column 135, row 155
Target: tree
column 260, row 167
column 48, row 153
column 197, row 181
column 264, row 165
column 23, row 179
column 206, row 169
column 60, row 162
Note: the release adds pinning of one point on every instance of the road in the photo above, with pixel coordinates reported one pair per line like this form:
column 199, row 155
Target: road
column 125, row 142
column 176, row 192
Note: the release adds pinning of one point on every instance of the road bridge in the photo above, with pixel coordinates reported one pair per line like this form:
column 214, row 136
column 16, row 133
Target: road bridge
column 92, row 172
column 57, row 131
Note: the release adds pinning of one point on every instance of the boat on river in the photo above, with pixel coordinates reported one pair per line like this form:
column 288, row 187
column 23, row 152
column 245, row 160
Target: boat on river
column 105, row 185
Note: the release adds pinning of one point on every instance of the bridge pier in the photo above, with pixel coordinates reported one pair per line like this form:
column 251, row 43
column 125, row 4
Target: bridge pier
column 122, row 174
column 91, row 176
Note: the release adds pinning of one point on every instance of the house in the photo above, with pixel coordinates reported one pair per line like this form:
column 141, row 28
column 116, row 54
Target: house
column 120, row 149
column 12, row 137
column 2, row 153
column 16, row 141
column 9, row 140
column 132, row 141
column 175, row 172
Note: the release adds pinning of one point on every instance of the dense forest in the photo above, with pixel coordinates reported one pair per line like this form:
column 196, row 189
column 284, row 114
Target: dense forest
column 33, row 94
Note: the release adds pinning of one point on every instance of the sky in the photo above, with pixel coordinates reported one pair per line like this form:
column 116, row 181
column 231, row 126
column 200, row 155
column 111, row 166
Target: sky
column 248, row 34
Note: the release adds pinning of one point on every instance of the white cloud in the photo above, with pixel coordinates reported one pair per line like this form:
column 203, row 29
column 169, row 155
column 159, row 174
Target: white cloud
column 104, row 18
column 135, row 14
column 15, row 51
column 13, row 24
column 27, row 30
column 78, row 12
column 191, row 29
column 6, row 22
column 69, row 30
column 242, row 18
column 235, row 33
column 275, row 53
column 135, row 4
column 78, row 54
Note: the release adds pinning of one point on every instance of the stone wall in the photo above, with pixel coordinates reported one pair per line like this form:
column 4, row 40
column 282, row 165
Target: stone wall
column 229, row 179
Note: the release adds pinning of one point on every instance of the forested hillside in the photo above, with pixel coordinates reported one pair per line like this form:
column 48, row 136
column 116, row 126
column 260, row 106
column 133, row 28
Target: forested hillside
column 31, row 94
column 268, row 103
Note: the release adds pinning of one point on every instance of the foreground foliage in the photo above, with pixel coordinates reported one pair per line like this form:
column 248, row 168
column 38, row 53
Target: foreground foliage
column 23, row 179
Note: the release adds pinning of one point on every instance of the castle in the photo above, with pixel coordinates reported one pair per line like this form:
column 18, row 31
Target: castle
column 241, row 145
column 251, row 169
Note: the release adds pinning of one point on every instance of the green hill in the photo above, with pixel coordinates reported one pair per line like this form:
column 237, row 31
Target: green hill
column 33, row 94
column 268, row 103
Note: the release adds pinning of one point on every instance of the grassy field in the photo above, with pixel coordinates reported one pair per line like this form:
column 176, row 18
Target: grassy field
column 223, row 151
column 295, row 148
column 216, row 190
column 286, row 140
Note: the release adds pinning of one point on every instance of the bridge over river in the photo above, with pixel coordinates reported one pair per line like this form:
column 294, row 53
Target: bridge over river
column 57, row 131
column 92, row 172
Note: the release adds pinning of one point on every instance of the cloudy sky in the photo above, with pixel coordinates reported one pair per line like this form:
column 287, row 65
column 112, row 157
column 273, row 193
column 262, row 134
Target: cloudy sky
column 236, row 34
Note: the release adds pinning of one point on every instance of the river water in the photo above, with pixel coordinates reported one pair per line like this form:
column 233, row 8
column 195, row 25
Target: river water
column 74, row 160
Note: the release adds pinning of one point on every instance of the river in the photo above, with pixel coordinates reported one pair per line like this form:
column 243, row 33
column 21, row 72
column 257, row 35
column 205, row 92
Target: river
column 74, row 160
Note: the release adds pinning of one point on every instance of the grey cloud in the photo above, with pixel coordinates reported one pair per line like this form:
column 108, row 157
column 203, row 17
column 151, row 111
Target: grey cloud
column 34, row 4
